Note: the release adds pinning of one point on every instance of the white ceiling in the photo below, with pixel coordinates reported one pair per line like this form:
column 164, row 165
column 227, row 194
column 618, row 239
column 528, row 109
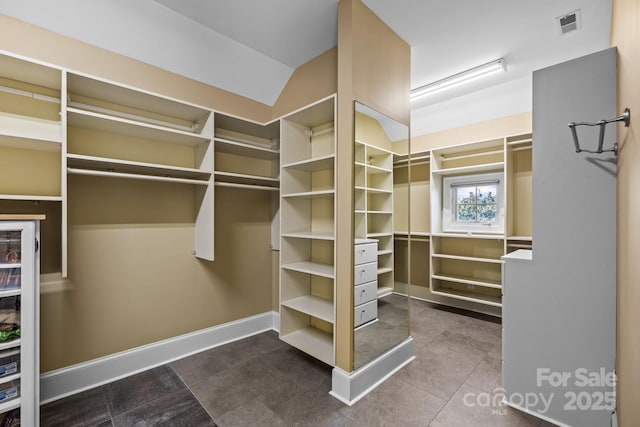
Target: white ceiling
column 252, row 47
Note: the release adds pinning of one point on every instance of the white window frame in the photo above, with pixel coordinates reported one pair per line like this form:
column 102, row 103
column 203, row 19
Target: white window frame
column 449, row 223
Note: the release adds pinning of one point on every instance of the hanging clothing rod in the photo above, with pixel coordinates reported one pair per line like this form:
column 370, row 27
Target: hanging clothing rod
column 29, row 94
column 625, row 117
column 468, row 156
column 91, row 172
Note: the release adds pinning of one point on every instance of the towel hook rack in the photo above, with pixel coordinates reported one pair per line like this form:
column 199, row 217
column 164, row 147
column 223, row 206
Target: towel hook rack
column 625, row 117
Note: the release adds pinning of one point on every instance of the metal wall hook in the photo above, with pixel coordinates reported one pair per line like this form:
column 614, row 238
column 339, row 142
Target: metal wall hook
column 625, row 118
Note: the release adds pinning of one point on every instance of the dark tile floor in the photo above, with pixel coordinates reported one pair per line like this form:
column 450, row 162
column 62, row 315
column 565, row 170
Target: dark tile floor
column 261, row 381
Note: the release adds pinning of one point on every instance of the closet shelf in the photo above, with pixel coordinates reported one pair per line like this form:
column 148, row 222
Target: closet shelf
column 105, row 123
column 469, row 236
column 310, row 235
column 10, row 405
column 311, row 194
column 385, row 252
column 468, row 258
column 313, row 306
column 376, row 190
column 35, row 198
column 374, row 170
column 29, row 128
column 469, row 169
column 135, row 176
column 310, row 267
column 384, row 270
column 313, row 164
column 520, row 238
column 223, row 145
column 238, row 178
column 469, row 296
column 374, row 235
column 468, row 280
column 246, row 186
column 312, row 341
column 383, row 291
column 131, row 167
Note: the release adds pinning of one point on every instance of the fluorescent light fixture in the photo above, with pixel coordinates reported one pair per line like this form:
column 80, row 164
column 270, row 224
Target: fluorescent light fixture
column 457, row 79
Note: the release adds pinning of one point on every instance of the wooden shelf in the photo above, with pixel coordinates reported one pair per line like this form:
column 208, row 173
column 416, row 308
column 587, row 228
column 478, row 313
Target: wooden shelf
column 383, row 291
column 374, row 235
column 469, row 236
column 131, row 167
column 110, row 124
column 378, row 190
column 469, row 169
column 311, row 194
column 228, row 146
column 10, row 344
column 239, row 178
column 313, row 306
column 520, row 238
column 312, row 341
column 467, row 258
column 313, row 164
column 384, row 270
column 30, row 197
column 10, row 405
column 310, row 267
column 495, row 284
column 29, row 129
column 4, row 292
column 310, row 235
column 469, row 296
column 373, row 170
column 385, row 252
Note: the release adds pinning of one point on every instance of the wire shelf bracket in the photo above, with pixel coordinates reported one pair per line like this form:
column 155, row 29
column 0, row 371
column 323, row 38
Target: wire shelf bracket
column 625, row 117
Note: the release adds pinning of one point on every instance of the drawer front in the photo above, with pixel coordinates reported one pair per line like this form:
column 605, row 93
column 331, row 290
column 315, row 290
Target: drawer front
column 365, row 293
column 365, row 273
column 365, row 252
column 365, row 313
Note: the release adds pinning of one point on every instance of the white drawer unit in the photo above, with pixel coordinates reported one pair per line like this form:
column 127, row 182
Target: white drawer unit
column 365, row 293
column 365, row 313
column 365, row 273
column 365, row 252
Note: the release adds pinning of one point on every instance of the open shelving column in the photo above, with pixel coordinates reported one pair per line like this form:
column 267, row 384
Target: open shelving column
column 307, row 214
column 115, row 131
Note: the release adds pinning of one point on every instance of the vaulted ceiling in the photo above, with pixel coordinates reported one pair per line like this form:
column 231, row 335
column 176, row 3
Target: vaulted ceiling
column 252, row 47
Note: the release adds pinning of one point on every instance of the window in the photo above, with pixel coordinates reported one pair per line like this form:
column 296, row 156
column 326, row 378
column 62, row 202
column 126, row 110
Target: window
column 473, row 203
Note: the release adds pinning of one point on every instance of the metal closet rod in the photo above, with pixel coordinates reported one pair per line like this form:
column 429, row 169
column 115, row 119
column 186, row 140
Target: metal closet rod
column 625, row 117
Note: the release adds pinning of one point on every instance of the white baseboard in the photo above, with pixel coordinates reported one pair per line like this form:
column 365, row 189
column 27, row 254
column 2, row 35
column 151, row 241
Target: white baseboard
column 73, row 379
column 350, row 387
column 535, row 414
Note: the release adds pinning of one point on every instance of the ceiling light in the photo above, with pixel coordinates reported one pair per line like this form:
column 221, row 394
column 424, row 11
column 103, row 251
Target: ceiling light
column 457, row 79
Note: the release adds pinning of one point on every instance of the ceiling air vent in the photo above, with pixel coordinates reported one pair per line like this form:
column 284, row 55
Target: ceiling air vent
column 569, row 22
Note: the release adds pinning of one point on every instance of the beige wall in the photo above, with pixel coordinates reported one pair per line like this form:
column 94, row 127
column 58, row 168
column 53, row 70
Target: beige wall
column 310, row 82
column 626, row 36
column 374, row 67
column 497, row 128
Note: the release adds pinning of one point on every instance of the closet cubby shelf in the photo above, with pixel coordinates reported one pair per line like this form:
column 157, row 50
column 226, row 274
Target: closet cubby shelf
column 314, row 306
column 385, row 252
column 10, row 265
column 384, row 270
column 310, row 267
column 29, row 197
column 468, row 280
column 375, row 190
column 313, row 164
column 375, row 235
column 469, row 236
column 520, row 238
column 130, row 167
column 469, row 169
column 238, row 178
column 383, row 291
column 312, row 341
column 120, row 126
column 29, row 129
column 311, row 194
column 9, row 378
column 228, row 146
column 309, row 235
column 467, row 258
column 469, row 296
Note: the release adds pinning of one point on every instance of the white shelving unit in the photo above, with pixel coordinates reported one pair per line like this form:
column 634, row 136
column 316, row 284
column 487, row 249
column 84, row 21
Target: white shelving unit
column 466, row 266
column 19, row 299
column 307, row 246
column 374, row 206
column 247, row 154
column 114, row 131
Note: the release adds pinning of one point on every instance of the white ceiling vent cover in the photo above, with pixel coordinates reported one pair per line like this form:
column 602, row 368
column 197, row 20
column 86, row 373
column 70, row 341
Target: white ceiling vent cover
column 569, row 22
